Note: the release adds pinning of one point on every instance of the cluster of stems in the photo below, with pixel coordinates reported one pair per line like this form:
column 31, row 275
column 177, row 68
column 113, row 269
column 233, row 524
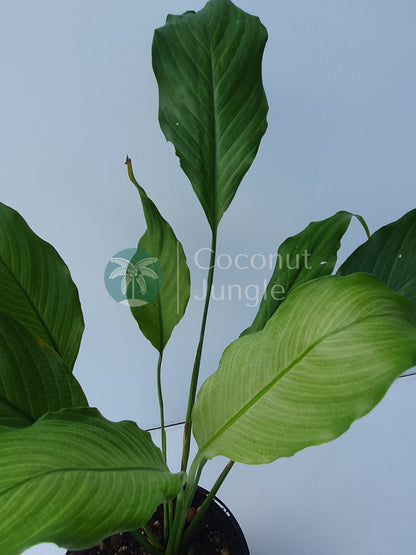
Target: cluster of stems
column 174, row 514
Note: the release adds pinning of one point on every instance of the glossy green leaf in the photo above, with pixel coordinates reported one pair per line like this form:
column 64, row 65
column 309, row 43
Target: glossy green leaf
column 390, row 255
column 36, row 288
column 73, row 478
column 158, row 318
column 212, row 105
column 34, row 379
column 310, row 254
column 324, row 359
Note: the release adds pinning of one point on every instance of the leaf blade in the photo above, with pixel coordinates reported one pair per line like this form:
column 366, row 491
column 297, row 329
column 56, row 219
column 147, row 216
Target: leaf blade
column 389, row 254
column 212, row 105
column 73, row 478
column 34, row 379
column 324, row 359
column 317, row 245
column 158, row 318
column 36, row 287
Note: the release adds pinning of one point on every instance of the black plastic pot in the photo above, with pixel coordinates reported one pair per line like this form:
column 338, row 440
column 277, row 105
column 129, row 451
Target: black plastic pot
column 218, row 533
column 218, row 515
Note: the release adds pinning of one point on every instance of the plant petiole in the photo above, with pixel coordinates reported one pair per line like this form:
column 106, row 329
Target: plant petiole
column 197, row 364
column 147, row 540
column 192, row 528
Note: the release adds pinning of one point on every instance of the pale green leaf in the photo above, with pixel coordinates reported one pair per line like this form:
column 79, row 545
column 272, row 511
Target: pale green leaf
column 158, row 318
column 390, row 255
column 73, row 478
column 34, row 379
column 324, row 359
column 36, row 288
column 309, row 254
column 212, row 105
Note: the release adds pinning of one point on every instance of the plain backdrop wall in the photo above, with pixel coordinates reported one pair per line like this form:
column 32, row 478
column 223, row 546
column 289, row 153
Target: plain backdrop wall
column 77, row 94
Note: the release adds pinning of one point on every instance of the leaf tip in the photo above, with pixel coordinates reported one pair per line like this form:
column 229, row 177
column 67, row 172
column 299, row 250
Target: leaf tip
column 130, row 171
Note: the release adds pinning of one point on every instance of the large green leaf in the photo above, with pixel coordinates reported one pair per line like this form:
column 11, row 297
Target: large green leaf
column 324, row 359
column 34, row 379
column 389, row 254
column 73, row 478
column 158, row 318
column 309, row 254
column 36, row 288
column 212, row 105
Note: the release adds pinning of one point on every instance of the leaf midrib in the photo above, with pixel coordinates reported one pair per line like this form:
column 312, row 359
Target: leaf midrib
column 74, row 470
column 17, row 410
column 33, row 306
column 214, row 164
column 272, row 383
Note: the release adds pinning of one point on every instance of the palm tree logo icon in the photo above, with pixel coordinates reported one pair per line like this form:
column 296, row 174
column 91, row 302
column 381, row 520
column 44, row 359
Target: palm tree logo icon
column 141, row 277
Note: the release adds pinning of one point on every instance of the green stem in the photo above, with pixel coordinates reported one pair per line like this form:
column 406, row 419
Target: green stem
column 165, row 521
column 150, row 545
column 170, row 515
column 197, row 363
column 161, row 408
column 205, row 505
column 183, row 502
column 162, row 438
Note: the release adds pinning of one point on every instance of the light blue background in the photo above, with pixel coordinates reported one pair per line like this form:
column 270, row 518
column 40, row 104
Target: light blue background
column 77, row 94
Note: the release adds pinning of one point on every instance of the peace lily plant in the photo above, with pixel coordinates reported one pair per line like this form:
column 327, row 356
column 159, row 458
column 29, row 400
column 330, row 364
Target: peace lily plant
column 309, row 365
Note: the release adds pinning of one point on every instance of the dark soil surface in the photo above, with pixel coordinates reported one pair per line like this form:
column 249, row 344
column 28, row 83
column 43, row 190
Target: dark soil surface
column 216, row 535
